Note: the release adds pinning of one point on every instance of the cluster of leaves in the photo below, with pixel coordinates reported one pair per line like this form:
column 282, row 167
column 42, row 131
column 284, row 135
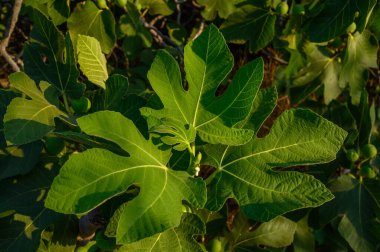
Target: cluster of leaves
column 111, row 142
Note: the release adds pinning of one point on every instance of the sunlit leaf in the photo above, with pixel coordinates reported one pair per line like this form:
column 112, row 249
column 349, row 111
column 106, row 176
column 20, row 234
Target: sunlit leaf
column 77, row 190
column 91, row 60
column 29, row 120
column 207, row 63
column 298, row 137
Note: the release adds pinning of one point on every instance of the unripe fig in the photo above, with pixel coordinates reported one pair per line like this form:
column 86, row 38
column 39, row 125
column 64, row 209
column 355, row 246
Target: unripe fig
column 352, row 155
column 81, row 105
column 282, row 8
column 369, row 151
column 351, row 28
column 54, row 145
column 367, row 171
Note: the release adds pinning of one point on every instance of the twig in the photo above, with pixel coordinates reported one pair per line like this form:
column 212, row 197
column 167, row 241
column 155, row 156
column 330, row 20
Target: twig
column 196, row 5
column 9, row 30
column 179, row 13
column 161, row 38
column 178, row 7
column 200, row 30
column 275, row 58
column 156, row 19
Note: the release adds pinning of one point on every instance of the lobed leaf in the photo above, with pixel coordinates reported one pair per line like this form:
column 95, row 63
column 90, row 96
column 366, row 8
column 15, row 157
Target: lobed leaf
column 207, row 63
column 298, row 137
column 361, row 54
column 78, row 190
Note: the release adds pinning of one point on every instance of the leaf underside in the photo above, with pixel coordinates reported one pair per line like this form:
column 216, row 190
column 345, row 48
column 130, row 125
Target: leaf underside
column 298, row 137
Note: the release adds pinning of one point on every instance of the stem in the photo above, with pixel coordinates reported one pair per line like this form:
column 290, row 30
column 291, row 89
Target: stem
column 210, row 178
column 160, row 38
column 313, row 4
column 65, row 101
column 9, row 30
column 192, row 149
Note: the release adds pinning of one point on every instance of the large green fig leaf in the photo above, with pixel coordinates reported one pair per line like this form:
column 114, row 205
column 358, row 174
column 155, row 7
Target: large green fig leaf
column 91, row 60
column 336, row 16
column 88, row 20
column 175, row 239
column 78, row 190
column 298, row 137
column 250, row 23
column 361, row 54
column 50, row 57
column 357, row 204
column 207, row 63
column 28, row 120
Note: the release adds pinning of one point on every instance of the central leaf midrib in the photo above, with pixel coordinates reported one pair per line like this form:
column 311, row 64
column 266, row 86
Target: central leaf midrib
column 203, row 81
column 27, row 227
column 32, row 117
column 132, row 143
column 113, row 173
column 257, row 186
column 154, row 244
column 93, row 21
column 268, row 151
column 96, row 58
column 136, row 217
column 55, row 59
